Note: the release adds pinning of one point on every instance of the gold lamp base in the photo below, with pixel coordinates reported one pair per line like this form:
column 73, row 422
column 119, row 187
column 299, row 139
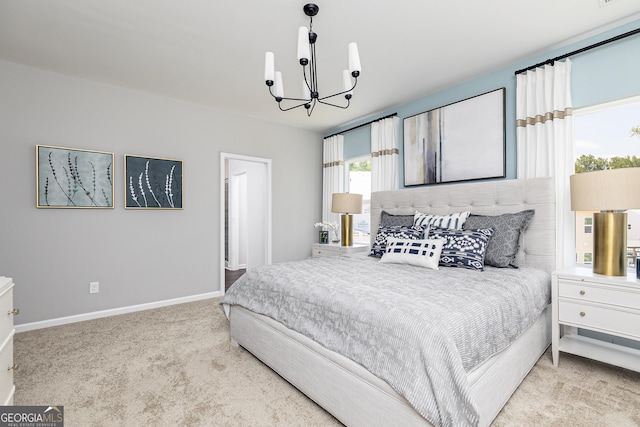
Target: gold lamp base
column 610, row 243
column 347, row 229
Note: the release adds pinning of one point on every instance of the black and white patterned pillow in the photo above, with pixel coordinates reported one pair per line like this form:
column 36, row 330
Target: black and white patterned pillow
column 453, row 220
column 380, row 243
column 463, row 248
column 505, row 243
column 421, row 253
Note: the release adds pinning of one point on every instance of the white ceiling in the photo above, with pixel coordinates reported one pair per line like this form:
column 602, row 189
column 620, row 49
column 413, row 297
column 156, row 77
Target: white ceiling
column 212, row 52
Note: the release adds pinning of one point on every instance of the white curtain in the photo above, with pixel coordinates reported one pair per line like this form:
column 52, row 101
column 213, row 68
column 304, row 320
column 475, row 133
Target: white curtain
column 332, row 175
column 545, row 146
column 384, row 154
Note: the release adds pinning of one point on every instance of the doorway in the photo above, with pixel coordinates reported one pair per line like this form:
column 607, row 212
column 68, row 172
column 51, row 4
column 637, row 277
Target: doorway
column 245, row 225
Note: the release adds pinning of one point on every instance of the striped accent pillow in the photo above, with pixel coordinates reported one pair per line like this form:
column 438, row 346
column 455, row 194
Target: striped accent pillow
column 453, row 220
column 421, row 253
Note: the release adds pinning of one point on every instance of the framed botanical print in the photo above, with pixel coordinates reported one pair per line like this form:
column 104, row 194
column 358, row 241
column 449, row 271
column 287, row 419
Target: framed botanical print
column 73, row 178
column 152, row 183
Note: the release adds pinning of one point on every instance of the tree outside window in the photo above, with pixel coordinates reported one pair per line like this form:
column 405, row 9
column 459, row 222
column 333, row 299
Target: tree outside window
column 607, row 137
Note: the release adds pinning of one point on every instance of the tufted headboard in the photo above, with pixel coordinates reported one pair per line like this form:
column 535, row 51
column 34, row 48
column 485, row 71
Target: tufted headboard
column 484, row 198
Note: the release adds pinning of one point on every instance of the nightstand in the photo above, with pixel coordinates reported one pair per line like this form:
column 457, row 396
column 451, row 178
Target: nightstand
column 331, row 249
column 607, row 304
column 7, row 331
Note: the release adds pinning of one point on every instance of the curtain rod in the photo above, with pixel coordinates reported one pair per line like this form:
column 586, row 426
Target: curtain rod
column 362, row 125
column 575, row 52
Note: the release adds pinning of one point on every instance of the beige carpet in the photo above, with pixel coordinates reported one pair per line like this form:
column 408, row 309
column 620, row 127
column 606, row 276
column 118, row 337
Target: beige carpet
column 175, row 366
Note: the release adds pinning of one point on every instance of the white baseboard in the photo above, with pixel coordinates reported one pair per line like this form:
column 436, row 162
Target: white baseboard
column 112, row 312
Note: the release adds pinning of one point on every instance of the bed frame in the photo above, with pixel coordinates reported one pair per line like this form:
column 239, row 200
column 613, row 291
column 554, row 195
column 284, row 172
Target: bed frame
column 351, row 393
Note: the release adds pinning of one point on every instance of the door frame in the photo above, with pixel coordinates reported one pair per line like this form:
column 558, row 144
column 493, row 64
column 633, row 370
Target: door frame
column 267, row 162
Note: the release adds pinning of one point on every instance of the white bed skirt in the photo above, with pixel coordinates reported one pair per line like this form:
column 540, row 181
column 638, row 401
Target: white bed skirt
column 358, row 398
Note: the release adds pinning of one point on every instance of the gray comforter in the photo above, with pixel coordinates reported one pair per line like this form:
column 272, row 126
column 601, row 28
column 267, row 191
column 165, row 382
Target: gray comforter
column 418, row 329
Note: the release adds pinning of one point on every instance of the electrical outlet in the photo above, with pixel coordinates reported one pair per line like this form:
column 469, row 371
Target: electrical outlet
column 94, row 287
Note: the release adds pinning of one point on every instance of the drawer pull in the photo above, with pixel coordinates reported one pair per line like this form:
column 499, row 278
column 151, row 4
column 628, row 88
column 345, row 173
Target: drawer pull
column 582, row 313
column 14, row 367
column 582, row 292
column 15, row 311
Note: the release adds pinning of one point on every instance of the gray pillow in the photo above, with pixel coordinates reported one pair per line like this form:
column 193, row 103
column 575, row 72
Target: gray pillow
column 505, row 243
column 390, row 220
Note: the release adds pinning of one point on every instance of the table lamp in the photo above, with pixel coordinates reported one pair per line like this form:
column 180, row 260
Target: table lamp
column 346, row 204
column 611, row 192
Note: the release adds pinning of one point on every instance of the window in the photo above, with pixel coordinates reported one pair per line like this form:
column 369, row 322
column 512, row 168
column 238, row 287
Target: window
column 358, row 180
column 606, row 136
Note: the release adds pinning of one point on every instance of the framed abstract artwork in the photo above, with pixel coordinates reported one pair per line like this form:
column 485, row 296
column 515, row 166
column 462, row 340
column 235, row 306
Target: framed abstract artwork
column 73, row 178
column 462, row 141
column 152, row 183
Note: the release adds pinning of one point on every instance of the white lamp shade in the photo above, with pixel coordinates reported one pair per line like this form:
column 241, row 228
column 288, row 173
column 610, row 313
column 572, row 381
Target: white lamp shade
column 346, row 203
column 607, row 190
column 303, row 43
column 279, row 89
column 305, row 91
column 346, row 82
column 354, row 58
column 269, row 66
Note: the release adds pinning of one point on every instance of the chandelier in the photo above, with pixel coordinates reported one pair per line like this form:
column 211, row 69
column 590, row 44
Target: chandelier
column 307, row 58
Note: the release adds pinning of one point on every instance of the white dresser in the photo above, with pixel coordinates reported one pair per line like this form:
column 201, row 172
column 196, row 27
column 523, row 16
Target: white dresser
column 332, row 249
column 7, row 312
column 607, row 304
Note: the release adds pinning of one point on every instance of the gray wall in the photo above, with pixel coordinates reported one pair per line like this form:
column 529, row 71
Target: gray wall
column 137, row 256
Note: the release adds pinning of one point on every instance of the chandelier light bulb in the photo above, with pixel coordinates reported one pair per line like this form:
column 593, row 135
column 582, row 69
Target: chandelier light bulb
column 303, row 46
column 354, row 59
column 269, row 67
column 306, row 94
column 346, row 82
column 279, row 87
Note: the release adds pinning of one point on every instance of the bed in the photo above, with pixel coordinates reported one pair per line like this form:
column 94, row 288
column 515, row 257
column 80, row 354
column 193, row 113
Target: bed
column 351, row 392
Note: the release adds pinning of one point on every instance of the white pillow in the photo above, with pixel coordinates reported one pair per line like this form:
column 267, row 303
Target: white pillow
column 421, row 253
column 453, row 220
